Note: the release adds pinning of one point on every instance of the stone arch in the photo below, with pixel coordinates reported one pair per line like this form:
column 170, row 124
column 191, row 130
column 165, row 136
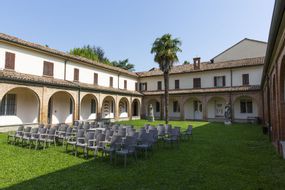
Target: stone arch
column 136, row 108
column 61, row 107
column 244, row 107
column 108, row 107
column 193, row 108
column 216, row 107
column 20, row 105
column 124, row 108
column 88, row 107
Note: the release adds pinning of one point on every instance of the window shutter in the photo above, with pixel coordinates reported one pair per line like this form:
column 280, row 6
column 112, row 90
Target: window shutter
column 136, row 86
column 111, row 81
column 125, row 84
column 10, row 61
column 224, row 80
column 215, row 81
column 96, row 78
column 145, row 86
column 76, row 74
column 48, row 68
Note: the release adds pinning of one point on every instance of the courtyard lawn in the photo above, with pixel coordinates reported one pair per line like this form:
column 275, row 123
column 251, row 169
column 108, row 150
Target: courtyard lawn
column 218, row 157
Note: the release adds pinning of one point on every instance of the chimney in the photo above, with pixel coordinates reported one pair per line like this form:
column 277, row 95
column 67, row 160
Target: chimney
column 196, row 61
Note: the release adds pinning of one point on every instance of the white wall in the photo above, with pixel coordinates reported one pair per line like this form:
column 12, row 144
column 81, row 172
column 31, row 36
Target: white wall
column 237, row 112
column 60, row 108
column 212, row 106
column 255, row 74
column 131, row 82
column 170, row 109
column 245, row 49
column 31, row 62
column 27, row 108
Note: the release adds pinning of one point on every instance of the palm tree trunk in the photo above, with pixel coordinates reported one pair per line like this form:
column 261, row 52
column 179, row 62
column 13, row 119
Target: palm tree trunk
column 166, row 95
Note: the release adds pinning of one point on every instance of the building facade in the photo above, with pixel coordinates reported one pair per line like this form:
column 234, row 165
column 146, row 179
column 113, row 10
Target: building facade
column 43, row 85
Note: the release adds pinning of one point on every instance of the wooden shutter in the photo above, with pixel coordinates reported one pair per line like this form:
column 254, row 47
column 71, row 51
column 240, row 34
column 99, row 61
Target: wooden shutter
column 111, row 81
column 96, row 78
column 48, row 68
column 176, row 84
column 159, row 85
column 145, row 86
column 125, row 84
column 76, row 74
column 224, row 80
column 10, row 61
column 136, row 86
column 215, row 81
column 197, row 82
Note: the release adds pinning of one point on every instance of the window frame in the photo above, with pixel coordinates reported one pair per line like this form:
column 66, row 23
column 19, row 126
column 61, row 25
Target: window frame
column 177, row 84
column 48, row 69
column 76, row 74
column 10, row 59
column 245, row 79
column 195, row 80
column 5, row 106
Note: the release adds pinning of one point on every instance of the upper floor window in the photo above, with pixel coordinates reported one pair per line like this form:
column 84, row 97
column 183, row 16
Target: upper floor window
column 245, row 79
column 76, row 75
column 220, row 81
column 10, row 61
column 96, row 78
column 111, row 82
column 8, row 105
column 176, row 107
column 136, row 86
column 196, row 82
column 48, row 68
column 159, row 85
column 177, row 84
column 143, row 86
column 245, row 106
column 125, row 84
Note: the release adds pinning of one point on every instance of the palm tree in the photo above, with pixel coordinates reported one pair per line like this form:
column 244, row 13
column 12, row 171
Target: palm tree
column 165, row 50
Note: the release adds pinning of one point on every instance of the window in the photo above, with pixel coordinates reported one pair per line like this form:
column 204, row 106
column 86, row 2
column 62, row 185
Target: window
column 48, row 68
column 125, row 84
column 143, row 86
column 220, row 81
column 245, row 79
column 136, row 86
column 196, row 82
column 10, row 61
column 158, row 85
column 76, row 75
column 176, row 84
column 93, row 106
column 245, row 106
column 96, row 78
column 112, row 106
column 8, row 105
column 70, row 106
column 157, row 107
column 176, row 107
column 111, row 82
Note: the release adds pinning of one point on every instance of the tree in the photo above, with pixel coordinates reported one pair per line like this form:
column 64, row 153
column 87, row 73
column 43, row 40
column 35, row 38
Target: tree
column 165, row 50
column 186, row 63
column 124, row 64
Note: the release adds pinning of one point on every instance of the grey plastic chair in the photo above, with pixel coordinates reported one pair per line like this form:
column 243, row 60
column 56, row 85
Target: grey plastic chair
column 27, row 136
column 12, row 136
column 41, row 135
column 128, row 148
column 115, row 143
column 50, row 137
column 188, row 132
column 19, row 136
column 173, row 137
column 96, row 145
column 80, row 141
column 73, row 139
column 145, row 143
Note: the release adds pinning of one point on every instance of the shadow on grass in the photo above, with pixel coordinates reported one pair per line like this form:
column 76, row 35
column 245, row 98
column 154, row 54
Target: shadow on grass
column 218, row 157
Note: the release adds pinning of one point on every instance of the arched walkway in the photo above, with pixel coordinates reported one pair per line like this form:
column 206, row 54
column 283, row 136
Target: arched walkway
column 60, row 108
column 193, row 109
column 19, row 106
column 88, row 107
column 216, row 108
column 136, row 108
column 245, row 107
column 123, row 108
column 108, row 107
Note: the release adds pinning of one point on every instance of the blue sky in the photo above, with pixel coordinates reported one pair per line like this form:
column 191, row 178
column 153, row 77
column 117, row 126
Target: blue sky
column 127, row 28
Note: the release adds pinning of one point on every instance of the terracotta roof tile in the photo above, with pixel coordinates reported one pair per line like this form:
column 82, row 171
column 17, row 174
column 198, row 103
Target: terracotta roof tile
column 19, row 41
column 205, row 66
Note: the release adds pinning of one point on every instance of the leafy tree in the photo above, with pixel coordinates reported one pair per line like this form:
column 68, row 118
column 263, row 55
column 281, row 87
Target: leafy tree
column 186, row 63
column 124, row 64
column 165, row 54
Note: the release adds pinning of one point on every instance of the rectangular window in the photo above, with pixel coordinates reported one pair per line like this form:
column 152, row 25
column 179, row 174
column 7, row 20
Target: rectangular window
column 8, row 105
column 48, row 69
column 246, row 106
column 10, row 61
column 136, row 86
column 176, row 107
column 159, row 85
column 125, row 84
column 157, row 107
column 76, row 75
column 70, row 106
column 96, row 78
column 93, row 106
column 245, row 79
column 176, row 84
column 220, row 81
column 143, row 86
column 196, row 82
column 111, row 82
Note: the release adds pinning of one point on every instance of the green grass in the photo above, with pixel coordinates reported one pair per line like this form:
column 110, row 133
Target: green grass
column 218, row 157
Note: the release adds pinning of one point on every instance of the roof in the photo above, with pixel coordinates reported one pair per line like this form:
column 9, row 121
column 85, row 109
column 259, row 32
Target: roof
column 43, row 80
column 206, row 66
column 21, row 42
column 245, row 39
column 206, row 90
